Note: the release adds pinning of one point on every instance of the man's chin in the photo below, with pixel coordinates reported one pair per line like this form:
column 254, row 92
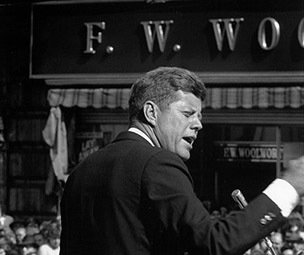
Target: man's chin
column 184, row 155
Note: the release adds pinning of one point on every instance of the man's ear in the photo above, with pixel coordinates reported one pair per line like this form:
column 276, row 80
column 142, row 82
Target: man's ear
column 150, row 112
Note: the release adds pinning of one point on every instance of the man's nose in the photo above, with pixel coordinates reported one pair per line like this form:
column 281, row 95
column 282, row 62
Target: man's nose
column 197, row 124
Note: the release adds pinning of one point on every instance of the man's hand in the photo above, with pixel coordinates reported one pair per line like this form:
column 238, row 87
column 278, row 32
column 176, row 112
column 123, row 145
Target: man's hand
column 294, row 174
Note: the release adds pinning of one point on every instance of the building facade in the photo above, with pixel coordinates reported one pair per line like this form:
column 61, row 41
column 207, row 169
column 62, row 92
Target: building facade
column 68, row 88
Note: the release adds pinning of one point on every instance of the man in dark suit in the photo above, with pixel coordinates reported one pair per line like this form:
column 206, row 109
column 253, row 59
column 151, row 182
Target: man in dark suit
column 135, row 196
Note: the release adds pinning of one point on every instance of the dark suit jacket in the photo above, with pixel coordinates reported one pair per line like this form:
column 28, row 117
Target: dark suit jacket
column 131, row 198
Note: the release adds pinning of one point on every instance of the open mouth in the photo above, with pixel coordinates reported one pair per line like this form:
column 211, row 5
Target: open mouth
column 189, row 139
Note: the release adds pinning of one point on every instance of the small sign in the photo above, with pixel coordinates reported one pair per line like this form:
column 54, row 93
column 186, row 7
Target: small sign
column 88, row 142
column 250, row 152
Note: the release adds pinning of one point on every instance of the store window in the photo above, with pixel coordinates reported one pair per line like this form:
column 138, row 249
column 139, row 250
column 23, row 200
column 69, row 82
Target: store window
column 95, row 129
column 90, row 138
column 245, row 157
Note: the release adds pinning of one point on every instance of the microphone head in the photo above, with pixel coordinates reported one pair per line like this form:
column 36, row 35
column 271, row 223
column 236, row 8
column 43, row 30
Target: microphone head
column 239, row 198
column 235, row 193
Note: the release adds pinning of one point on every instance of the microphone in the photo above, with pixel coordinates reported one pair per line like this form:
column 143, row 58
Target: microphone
column 239, row 198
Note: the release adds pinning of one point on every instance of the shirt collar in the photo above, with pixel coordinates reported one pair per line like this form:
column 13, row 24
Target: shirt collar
column 141, row 133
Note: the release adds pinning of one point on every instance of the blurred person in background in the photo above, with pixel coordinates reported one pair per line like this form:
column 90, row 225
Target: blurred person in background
column 20, row 233
column 277, row 240
column 28, row 246
column 52, row 245
column 294, row 230
column 32, row 226
column 7, row 247
column 39, row 239
column 287, row 250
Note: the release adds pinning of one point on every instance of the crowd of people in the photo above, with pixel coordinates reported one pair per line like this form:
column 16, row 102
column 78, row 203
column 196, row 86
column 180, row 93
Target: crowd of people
column 30, row 237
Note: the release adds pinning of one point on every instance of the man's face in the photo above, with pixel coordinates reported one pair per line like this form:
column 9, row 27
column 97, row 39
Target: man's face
column 178, row 124
column 277, row 240
column 39, row 240
column 20, row 234
column 54, row 242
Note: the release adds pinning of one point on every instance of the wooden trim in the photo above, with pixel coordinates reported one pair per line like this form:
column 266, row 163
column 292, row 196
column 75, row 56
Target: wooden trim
column 83, row 2
column 262, row 117
column 89, row 116
column 96, row 1
column 208, row 77
column 31, row 42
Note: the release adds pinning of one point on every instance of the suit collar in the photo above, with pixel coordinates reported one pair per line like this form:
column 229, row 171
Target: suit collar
column 141, row 133
column 127, row 135
column 131, row 136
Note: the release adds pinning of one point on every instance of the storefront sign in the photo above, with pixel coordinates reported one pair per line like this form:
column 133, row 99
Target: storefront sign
column 250, row 152
column 156, row 32
column 102, row 40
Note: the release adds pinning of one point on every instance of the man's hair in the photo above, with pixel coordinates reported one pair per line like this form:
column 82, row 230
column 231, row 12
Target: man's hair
column 160, row 85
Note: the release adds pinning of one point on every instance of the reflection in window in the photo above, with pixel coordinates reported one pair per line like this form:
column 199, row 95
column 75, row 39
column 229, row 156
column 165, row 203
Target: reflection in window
column 293, row 134
column 242, row 133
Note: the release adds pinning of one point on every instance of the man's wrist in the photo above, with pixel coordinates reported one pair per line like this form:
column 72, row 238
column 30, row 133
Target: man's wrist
column 283, row 194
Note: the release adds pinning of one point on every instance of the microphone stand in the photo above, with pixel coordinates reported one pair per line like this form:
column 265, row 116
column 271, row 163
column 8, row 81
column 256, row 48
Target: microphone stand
column 242, row 203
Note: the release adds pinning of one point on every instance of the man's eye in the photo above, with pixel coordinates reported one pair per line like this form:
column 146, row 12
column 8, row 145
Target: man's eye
column 187, row 114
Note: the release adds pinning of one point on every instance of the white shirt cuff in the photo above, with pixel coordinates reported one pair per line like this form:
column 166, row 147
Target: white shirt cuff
column 284, row 195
